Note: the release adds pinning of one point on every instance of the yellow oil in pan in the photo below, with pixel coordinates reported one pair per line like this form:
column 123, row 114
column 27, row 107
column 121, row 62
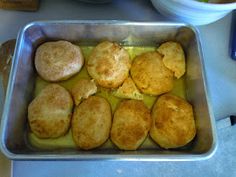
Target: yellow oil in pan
column 66, row 141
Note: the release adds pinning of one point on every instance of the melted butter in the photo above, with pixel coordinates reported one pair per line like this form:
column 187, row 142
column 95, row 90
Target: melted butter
column 67, row 141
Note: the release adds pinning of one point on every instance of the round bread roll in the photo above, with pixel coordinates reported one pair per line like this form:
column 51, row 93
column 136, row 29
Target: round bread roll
column 91, row 123
column 82, row 90
column 49, row 114
column 131, row 123
column 109, row 64
column 173, row 122
column 150, row 74
column 173, row 57
column 57, row 61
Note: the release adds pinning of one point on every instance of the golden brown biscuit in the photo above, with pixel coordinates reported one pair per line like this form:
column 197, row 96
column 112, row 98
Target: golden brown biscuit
column 150, row 74
column 91, row 123
column 174, row 58
column 109, row 64
column 173, row 122
column 128, row 90
column 57, row 61
column 49, row 114
column 83, row 89
column 131, row 124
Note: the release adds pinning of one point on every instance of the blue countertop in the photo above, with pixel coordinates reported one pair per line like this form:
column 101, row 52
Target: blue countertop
column 221, row 80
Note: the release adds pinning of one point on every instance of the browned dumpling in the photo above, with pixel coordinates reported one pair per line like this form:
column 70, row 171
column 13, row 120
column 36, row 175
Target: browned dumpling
column 131, row 123
column 128, row 90
column 150, row 74
column 173, row 122
column 91, row 122
column 49, row 114
column 173, row 57
column 83, row 89
column 109, row 64
column 57, row 61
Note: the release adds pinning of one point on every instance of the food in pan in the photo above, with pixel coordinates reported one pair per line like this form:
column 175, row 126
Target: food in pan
column 109, row 64
column 91, row 122
column 131, row 123
column 150, row 74
column 128, row 90
column 57, row 61
column 173, row 122
column 173, row 57
column 83, row 89
column 49, row 114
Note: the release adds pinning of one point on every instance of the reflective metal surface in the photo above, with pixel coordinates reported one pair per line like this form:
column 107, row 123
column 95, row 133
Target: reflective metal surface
column 21, row 84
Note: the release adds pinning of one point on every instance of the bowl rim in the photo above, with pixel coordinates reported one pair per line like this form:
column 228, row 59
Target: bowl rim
column 207, row 6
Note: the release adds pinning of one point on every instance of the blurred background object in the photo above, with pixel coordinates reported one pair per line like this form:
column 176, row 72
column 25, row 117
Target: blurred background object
column 233, row 37
column 95, row 1
column 193, row 11
column 25, row 5
column 6, row 52
column 217, row 1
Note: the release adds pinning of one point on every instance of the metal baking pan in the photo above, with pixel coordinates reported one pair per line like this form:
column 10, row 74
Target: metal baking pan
column 14, row 142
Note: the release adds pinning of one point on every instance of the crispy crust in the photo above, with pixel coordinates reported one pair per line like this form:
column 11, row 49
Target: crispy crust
column 128, row 90
column 150, row 74
column 109, row 64
column 173, row 122
column 49, row 114
column 83, row 89
column 174, row 58
column 91, row 123
column 57, row 61
column 131, row 124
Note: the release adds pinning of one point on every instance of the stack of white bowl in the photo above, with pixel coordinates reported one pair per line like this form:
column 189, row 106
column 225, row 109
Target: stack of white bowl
column 193, row 11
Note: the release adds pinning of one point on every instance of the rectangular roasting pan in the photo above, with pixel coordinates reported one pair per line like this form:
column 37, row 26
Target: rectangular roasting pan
column 21, row 84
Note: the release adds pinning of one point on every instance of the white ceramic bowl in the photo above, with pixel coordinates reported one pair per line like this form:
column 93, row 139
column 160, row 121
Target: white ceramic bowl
column 193, row 12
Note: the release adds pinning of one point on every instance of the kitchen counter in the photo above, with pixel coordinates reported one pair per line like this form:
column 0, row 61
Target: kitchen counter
column 221, row 80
